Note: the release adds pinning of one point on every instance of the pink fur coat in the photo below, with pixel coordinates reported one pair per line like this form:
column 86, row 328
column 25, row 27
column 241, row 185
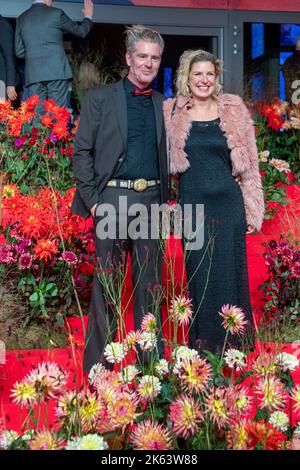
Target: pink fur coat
column 239, row 131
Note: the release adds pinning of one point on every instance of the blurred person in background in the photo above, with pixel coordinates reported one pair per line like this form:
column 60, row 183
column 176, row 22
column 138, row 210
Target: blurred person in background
column 8, row 73
column 39, row 40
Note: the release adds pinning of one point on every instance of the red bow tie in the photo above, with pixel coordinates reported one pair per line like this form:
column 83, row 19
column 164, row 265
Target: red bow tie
column 146, row 92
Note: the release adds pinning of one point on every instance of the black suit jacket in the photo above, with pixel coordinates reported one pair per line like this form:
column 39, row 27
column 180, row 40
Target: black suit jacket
column 7, row 57
column 101, row 144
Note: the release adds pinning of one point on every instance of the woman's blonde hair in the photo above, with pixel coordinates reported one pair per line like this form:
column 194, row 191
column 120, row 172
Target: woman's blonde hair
column 187, row 60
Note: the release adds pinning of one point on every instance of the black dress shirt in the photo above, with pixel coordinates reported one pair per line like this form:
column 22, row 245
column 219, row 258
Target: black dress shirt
column 141, row 160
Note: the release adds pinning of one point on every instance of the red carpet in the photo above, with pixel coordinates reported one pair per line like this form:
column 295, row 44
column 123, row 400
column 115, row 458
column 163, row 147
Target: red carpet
column 18, row 363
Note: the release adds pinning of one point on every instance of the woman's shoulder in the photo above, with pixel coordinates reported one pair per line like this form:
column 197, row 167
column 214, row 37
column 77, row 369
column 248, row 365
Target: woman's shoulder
column 179, row 102
column 231, row 99
column 168, row 108
column 235, row 105
column 169, row 103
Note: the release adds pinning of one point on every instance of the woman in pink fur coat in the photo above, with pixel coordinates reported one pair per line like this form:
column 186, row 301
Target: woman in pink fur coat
column 212, row 147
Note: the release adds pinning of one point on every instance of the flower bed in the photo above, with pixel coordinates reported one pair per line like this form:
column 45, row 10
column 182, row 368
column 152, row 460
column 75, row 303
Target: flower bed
column 190, row 400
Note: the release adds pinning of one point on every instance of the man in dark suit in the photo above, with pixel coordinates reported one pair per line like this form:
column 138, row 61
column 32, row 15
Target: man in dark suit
column 120, row 155
column 39, row 39
column 8, row 75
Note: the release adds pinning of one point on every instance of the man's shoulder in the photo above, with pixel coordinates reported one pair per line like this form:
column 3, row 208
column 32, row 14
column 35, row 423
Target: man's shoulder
column 102, row 91
column 56, row 11
column 51, row 12
column 159, row 95
column 40, row 9
column 107, row 88
column 24, row 14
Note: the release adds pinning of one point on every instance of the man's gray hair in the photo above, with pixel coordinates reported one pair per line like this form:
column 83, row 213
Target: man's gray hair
column 137, row 33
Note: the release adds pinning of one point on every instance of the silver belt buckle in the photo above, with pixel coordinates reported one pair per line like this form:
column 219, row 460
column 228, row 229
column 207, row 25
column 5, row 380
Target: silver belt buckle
column 140, row 185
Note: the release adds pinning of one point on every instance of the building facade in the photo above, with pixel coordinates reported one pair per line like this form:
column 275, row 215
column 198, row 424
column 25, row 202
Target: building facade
column 252, row 37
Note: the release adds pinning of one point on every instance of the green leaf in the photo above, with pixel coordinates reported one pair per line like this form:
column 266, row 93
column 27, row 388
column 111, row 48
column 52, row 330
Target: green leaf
column 158, row 413
column 213, row 359
column 44, row 311
column 34, row 297
column 18, row 444
column 20, row 166
column 54, row 292
column 276, row 197
column 287, row 379
column 243, row 376
column 49, row 286
column 26, row 321
column 24, row 188
column 166, row 391
column 262, row 415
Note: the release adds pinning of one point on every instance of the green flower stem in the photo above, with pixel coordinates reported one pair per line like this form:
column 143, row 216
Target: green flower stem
column 224, row 347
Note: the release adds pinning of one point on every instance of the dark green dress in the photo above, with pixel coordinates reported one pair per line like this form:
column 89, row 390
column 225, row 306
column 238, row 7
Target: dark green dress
column 217, row 273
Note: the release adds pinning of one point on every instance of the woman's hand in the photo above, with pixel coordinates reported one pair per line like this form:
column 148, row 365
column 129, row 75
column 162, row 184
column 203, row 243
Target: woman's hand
column 92, row 210
column 238, row 179
column 250, row 229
